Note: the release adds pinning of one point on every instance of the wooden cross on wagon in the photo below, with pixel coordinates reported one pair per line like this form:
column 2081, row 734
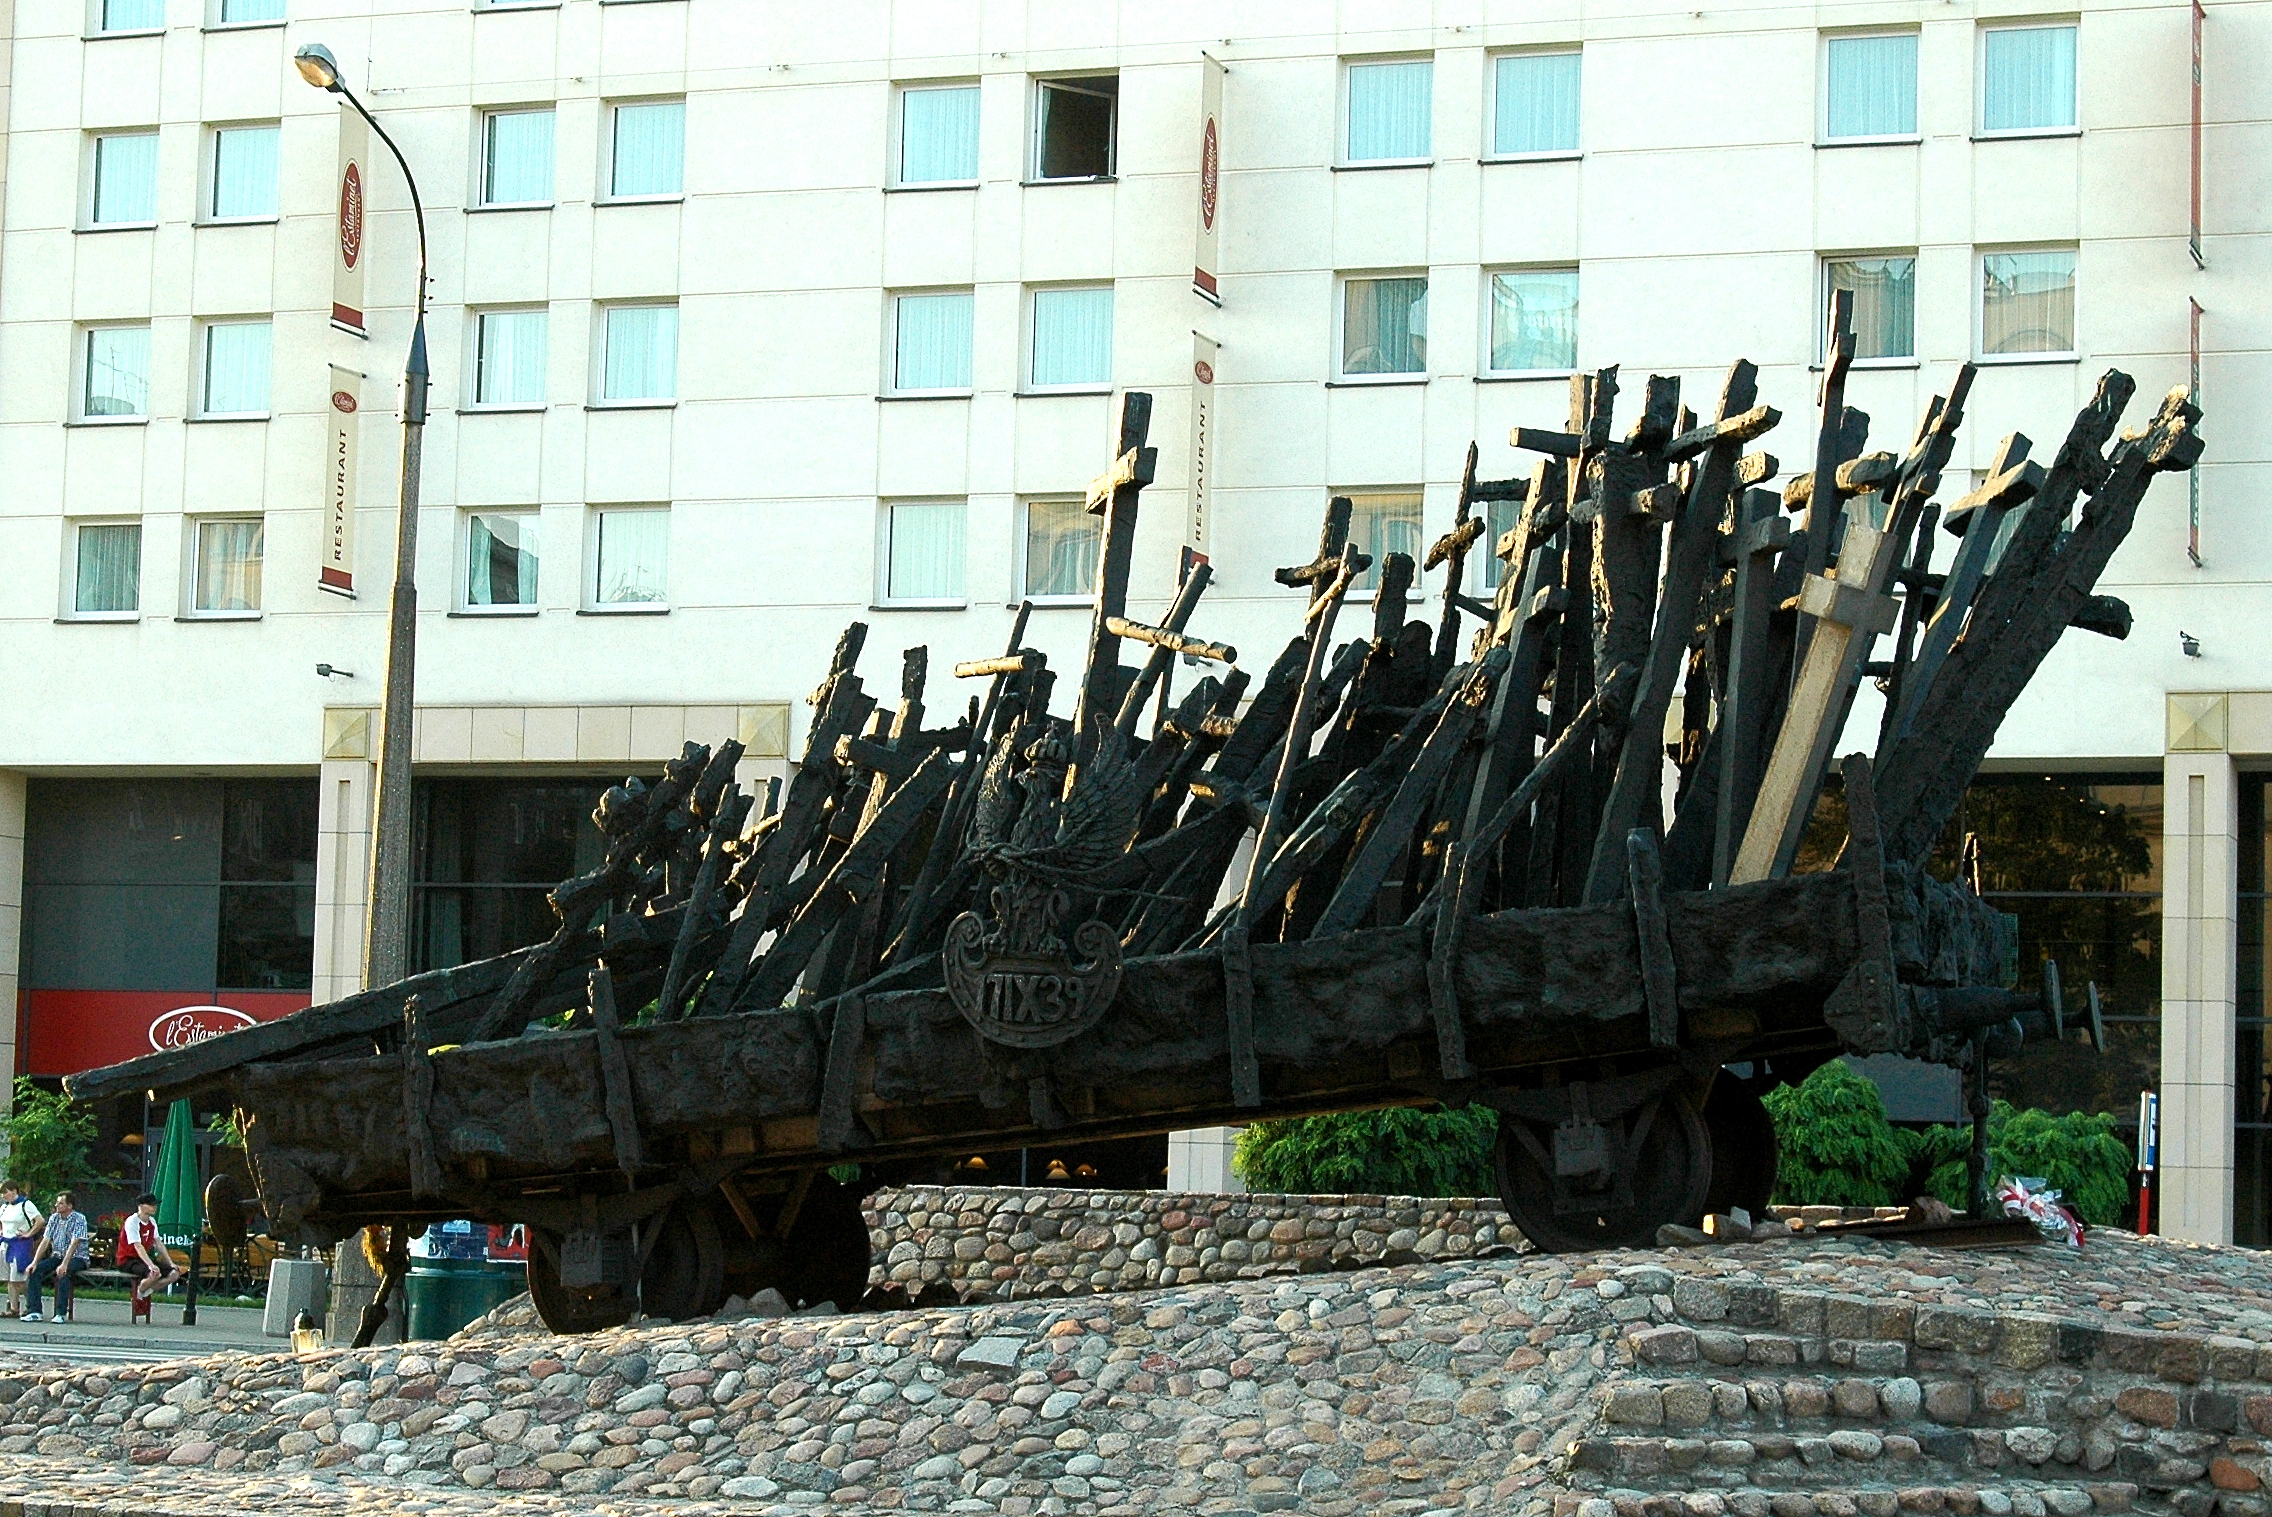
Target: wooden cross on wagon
column 1451, row 551
column 1318, row 574
column 1113, row 495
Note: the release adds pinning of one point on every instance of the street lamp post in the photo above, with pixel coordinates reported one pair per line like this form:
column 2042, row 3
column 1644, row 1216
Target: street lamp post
column 386, row 942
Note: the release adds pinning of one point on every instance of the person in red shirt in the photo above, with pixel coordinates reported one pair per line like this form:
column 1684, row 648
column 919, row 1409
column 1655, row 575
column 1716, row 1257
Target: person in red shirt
column 143, row 1254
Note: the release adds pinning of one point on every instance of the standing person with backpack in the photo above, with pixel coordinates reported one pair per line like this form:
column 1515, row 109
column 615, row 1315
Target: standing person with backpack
column 142, row 1253
column 19, row 1234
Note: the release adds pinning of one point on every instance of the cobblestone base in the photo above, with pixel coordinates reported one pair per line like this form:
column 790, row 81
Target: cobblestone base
column 1009, row 1242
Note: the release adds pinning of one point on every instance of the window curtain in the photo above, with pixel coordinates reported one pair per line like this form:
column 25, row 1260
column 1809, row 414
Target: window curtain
column 1384, row 328
column 1534, row 320
column 1497, row 524
column 1062, row 540
column 118, row 371
column 926, row 551
column 650, row 149
column 244, row 172
column 251, row 10
column 1388, row 110
column 1072, row 337
column 932, row 346
column 501, row 560
column 236, row 368
column 110, row 568
column 642, row 353
column 126, row 178
column 133, row 15
column 228, row 565
column 634, row 557
column 1872, row 86
column 1535, row 103
column 2030, row 78
column 519, row 168
column 511, row 364
column 2027, row 303
column 1885, row 304
column 938, row 135
column 1381, row 525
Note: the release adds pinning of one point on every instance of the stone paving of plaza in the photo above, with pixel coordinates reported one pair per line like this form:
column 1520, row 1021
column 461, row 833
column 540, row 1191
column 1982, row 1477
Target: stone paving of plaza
column 1466, row 1386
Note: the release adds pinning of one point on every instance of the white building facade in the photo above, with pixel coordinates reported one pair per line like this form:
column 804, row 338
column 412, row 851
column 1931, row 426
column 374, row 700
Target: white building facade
column 749, row 320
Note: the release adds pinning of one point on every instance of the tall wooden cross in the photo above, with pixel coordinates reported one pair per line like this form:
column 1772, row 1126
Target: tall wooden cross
column 1747, row 697
column 1318, row 573
column 1113, row 495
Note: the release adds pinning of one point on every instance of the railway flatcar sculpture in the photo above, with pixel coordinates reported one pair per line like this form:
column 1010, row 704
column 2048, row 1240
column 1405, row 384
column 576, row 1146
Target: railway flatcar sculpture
column 1534, row 852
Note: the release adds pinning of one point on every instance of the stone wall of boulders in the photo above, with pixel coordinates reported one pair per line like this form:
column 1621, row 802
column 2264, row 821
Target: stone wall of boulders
column 1003, row 1242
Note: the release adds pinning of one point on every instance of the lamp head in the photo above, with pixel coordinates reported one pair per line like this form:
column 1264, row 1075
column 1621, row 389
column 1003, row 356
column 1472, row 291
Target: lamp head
column 317, row 66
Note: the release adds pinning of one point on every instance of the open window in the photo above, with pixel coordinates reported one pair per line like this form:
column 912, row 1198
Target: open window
column 1074, row 126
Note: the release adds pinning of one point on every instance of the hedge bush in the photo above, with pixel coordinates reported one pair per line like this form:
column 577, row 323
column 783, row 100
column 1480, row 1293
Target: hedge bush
column 1392, row 1152
column 1838, row 1148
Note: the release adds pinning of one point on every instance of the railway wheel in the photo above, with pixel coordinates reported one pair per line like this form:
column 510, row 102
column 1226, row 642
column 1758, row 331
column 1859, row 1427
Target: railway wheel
column 686, row 1270
column 1744, row 1152
column 560, row 1309
column 1670, row 1175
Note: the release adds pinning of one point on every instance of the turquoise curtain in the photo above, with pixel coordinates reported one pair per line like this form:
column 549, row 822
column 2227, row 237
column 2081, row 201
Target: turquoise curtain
column 926, row 550
column 2028, row 81
column 126, row 179
column 634, row 558
column 1535, row 103
column 1389, row 106
column 228, row 565
column 236, row 368
column 118, row 372
column 1872, row 87
column 931, row 350
column 110, row 568
column 501, row 559
column 133, row 15
column 2027, row 302
column 1072, row 337
column 244, row 172
column 938, row 134
column 1384, row 326
column 1062, row 540
column 1885, row 304
column 509, row 366
column 642, row 353
column 517, row 165
column 650, row 149
column 1534, row 320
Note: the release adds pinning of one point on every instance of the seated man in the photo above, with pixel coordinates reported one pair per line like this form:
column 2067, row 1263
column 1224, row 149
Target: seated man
column 61, row 1255
column 143, row 1254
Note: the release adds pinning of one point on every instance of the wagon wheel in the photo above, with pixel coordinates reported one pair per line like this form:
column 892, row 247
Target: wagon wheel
column 686, row 1270
column 560, row 1309
column 1670, row 1177
column 825, row 1257
column 1744, row 1152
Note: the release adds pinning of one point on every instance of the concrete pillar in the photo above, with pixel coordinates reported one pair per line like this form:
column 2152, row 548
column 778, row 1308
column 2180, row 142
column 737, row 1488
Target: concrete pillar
column 343, row 851
column 2199, row 919
column 11, row 924
column 1199, row 1162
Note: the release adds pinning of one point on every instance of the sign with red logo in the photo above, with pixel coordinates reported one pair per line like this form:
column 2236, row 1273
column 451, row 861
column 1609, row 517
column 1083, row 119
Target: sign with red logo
column 1199, row 501
column 342, row 401
column 335, row 568
column 66, row 1031
column 347, row 246
column 185, row 1025
column 1210, row 176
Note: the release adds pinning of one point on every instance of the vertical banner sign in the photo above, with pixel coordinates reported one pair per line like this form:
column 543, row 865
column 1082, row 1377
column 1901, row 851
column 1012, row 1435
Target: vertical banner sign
column 2193, row 245
column 347, row 244
column 337, row 565
column 1210, row 175
column 2193, row 475
column 1203, row 351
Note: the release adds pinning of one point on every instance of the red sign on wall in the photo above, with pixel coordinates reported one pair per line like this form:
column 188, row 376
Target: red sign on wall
column 66, row 1031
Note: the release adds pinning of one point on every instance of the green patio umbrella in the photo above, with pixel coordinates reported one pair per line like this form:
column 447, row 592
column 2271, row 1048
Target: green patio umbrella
column 180, row 1191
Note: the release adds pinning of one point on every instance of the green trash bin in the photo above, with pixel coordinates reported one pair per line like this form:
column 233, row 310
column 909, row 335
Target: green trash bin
column 446, row 1294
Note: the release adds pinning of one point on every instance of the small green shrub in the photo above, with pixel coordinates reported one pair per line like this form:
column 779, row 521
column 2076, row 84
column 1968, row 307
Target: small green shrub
column 1838, row 1148
column 1391, row 1152
column 49, row 1137
column 2077, row 1154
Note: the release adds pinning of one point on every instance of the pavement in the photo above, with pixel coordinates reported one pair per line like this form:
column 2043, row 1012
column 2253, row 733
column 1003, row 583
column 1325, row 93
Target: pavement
column 102, row 1333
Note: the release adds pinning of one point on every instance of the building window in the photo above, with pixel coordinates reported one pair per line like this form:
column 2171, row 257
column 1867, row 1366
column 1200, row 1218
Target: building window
column 244, row 174
column 2027, row 78
column 647, row 154
column 1534, row 103
column 1885, row 303
column 923, row 553
column 1062, row 541
column 116, row 381
column 1389, row 105
column 1498, row 520
column 2027, row 303
column 268, row 885
column 126, row 180
column 1534, row 321
column 931, row 343
column 1074, row 127
column 641, row 362
column 516, row 157
column 485, row 854
column 1384, row 324
column 2252, row 1083
column 130, row 15
column 1869, row 86
column 500, row 559
column 631, row 557
column 1382, row 522
column 107, row 579
column 247, row 12
column 235, row 381
column 1072, row 338
column 225, row 579
column 938, row 134
column 508, row 364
